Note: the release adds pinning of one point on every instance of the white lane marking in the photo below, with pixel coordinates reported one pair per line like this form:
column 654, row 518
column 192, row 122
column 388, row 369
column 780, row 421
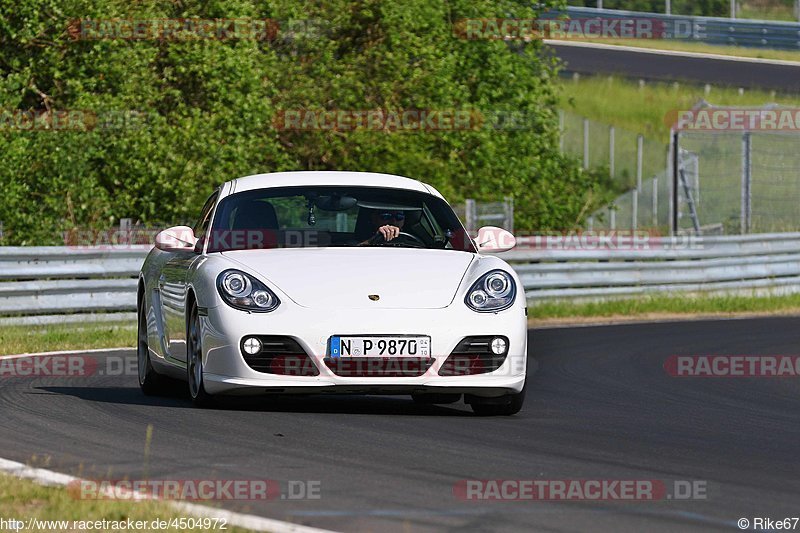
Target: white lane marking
column 656, row 51
column 251, row 522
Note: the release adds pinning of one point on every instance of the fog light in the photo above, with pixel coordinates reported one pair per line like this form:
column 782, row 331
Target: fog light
column 251, row 345
column 499, row 346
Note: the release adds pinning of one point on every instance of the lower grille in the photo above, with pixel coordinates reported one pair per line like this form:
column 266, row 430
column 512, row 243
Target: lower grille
column 280, row 355
column 473, row 355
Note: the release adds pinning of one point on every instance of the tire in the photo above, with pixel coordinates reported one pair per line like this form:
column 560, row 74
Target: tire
column 507, row 405
column 194, row 361
column 436, row 398
column 151, row 382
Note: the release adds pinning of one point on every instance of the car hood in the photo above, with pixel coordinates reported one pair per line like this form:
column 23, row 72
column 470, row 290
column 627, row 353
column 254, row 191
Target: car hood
column 346, row 277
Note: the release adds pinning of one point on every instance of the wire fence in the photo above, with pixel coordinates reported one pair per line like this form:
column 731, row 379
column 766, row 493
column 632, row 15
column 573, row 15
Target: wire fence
column 746, row 182
column 478, row 214
column 636, row 165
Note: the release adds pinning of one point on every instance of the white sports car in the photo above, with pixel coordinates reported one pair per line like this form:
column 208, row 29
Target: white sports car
column 328, row 282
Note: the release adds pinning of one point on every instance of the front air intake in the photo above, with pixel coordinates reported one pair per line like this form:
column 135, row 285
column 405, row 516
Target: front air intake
column 278, row 355
column 475, row 355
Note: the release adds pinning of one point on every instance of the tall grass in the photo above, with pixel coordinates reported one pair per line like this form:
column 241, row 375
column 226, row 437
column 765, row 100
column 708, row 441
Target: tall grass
column 644, row 108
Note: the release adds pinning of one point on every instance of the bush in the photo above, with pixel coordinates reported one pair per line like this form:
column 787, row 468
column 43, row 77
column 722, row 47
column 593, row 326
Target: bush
column 206, row 109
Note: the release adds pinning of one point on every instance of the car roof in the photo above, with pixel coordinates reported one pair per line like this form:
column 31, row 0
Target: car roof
column 327, row 177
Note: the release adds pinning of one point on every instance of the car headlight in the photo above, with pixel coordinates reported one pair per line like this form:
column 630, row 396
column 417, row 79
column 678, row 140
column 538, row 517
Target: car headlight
column 494, row 291
column 245, row 292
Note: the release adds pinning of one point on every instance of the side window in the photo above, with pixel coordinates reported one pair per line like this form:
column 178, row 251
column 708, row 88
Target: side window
column 201, row 226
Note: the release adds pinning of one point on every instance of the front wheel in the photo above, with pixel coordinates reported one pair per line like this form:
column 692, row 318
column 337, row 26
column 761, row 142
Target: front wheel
column 194, row 363
column 150, row 381
column 507, row 405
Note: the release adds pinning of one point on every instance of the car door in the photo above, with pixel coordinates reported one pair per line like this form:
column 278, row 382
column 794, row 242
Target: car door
column 173, row 287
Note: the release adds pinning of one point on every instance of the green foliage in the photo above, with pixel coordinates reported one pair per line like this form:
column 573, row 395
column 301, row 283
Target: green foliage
column 206, row 109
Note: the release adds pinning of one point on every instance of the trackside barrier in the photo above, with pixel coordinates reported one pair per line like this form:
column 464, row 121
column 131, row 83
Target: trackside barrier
column 748, row 264
column 712, row 30
column 49, row 284
column 53, row 281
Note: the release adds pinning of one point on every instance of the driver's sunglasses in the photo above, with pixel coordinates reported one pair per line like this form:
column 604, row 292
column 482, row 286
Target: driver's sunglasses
column 397, row 216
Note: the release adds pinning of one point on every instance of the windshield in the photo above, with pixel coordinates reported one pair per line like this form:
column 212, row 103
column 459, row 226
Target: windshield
column 315, row 217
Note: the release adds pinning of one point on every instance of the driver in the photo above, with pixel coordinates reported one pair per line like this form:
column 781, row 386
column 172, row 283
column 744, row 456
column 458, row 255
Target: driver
column 387, row 224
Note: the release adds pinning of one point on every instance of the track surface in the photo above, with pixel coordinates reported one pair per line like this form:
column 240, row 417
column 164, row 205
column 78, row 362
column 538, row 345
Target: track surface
column 599, row 407
column 654, row 66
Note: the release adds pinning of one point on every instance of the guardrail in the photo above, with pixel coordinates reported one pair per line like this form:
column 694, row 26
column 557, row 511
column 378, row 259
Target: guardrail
column 758, row 263
column 712, row 30
column 48, row 281
column 47, row 284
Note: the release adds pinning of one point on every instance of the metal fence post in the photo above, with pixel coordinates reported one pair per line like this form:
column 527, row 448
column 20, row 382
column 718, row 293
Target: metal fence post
column 586, row 143
column 673, row 164
column 470, row 214
column 611, row 151
column 125, row 226
column 508, row 210
column 638, row 190
column 655, row 201
column 668, row 7
column 747, row 199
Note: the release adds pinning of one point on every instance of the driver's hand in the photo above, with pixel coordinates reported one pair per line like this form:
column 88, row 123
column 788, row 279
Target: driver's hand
column 389, row 232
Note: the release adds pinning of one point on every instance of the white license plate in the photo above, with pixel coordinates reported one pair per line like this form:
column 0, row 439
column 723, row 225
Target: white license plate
column 381, row 346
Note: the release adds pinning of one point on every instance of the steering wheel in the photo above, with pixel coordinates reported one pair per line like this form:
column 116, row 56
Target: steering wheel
column 408, row 238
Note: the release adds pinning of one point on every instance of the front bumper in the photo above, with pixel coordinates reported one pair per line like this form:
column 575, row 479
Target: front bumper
column 227, row 372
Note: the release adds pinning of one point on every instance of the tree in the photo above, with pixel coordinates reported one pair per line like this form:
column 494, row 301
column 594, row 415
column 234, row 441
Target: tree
column 166, row 120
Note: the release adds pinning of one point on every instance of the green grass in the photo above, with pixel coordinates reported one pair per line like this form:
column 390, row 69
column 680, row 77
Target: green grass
column 23, row 499
column 626, row 104
column 703, row 48
column 669, row 305
column 766, row 10
column 24, row 339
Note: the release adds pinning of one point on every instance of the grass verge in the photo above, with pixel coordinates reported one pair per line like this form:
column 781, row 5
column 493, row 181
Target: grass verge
column 645, row 108
column 22, row 499
column 656, row 307
column 24, row 339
